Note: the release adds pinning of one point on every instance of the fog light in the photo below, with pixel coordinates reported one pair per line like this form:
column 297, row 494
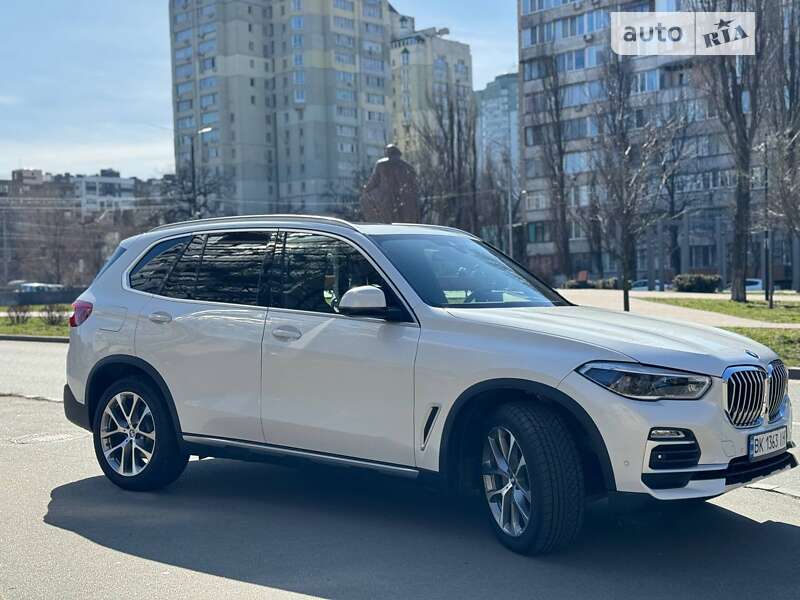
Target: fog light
column 669, row 434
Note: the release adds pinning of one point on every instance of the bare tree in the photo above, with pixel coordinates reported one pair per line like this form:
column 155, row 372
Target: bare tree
column 674, row 160
column 549, row 128
column 629, row 164
column 445, row 159
column 783, row 124
column 735, row 88
column 193, row 196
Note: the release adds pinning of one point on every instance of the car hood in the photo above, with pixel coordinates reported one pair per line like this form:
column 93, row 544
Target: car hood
column 650, row 341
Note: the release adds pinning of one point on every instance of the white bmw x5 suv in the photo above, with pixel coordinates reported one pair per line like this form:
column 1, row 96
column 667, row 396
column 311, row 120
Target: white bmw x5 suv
column 413, row 350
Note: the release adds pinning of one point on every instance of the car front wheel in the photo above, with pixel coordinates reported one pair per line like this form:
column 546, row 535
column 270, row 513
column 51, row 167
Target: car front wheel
column 134, row 440
column 532, row 479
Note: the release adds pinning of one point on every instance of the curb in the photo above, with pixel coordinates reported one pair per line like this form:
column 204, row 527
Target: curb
column 49, row 338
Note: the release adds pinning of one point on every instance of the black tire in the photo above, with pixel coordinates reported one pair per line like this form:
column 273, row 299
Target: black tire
column 167, row 461
column 555, row 478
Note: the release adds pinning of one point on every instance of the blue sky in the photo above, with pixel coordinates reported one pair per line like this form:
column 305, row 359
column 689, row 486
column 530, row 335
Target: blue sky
column 86, row 83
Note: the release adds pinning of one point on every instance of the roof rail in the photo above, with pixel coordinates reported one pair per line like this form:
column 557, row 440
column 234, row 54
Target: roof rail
column 250, row 218
column 441, row 227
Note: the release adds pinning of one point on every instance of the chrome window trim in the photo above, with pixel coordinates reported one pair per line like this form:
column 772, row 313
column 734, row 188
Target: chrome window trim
column 277, row 230
column 189, row 234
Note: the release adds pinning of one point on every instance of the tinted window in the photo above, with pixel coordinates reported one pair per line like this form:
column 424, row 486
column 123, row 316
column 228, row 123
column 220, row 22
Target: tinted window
column 462, row 272
column 150, row 272
column 231, row 267
column 180, row 281
column 316, row 271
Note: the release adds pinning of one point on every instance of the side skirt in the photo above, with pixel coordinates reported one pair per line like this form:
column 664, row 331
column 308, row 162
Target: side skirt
column 253, row 451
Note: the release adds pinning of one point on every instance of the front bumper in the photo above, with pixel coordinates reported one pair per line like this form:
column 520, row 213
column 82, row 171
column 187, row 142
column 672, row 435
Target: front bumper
column 76, row 412
column 723, row 464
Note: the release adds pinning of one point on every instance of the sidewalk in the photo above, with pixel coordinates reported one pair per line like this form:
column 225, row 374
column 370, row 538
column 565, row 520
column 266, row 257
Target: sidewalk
column 612, row 300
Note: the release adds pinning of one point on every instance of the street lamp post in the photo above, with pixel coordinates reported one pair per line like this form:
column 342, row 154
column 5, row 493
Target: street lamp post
column 195, row 213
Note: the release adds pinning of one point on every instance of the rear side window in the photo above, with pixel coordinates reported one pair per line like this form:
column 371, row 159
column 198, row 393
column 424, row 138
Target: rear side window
column 151, row 271
column 231, row 268
column 181, row 279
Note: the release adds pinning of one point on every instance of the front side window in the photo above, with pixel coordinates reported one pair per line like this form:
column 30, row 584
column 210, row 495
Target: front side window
column 461, row 272
column 314, row 271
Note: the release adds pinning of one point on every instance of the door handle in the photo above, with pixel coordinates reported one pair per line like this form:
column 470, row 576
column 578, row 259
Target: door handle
column 287, row 333
column 160, row 317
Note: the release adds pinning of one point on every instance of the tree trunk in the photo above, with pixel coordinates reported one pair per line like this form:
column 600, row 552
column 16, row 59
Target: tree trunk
column 741, row 228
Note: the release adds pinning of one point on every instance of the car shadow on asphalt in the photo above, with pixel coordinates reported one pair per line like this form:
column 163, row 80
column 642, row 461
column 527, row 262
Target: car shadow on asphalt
column 335, row 533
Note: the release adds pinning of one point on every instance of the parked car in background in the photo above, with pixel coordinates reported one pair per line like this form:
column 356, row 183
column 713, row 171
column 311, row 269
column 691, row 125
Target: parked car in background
column 751, row 285
column 416, row 351
column 642, row 285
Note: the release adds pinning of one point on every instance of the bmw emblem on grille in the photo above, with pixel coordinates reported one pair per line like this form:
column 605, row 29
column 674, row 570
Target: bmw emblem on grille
column 751, row 353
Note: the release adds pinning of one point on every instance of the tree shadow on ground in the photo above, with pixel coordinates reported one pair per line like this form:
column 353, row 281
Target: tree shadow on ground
column 334, row 533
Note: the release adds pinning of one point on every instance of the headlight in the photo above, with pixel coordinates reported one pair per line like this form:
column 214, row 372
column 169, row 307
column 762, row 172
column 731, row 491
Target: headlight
column 646, row 383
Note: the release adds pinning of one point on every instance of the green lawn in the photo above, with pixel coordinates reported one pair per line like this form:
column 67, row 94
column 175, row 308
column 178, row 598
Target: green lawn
column 34, row 326
column 786, row 342
column 784, row 312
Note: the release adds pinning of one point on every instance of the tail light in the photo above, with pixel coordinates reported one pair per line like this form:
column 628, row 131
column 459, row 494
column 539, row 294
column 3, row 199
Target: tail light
column 81, row 310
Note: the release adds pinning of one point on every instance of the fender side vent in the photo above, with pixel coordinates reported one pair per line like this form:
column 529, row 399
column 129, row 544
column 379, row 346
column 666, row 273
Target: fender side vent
column 426, row 431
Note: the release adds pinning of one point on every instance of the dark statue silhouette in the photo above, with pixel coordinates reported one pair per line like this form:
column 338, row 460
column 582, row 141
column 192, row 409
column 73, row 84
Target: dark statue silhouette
column 391, row 194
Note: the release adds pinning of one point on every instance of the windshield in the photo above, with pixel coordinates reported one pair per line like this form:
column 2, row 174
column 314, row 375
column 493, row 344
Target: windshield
column 462, row 272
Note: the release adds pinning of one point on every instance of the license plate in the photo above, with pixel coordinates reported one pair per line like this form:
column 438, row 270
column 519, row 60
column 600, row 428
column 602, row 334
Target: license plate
column 768, row 443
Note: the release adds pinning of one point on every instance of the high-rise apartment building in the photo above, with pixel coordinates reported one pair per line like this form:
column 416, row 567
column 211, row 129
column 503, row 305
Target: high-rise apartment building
column 698, row 237
column 498, row 124
column 427, row 68
column 287, row 102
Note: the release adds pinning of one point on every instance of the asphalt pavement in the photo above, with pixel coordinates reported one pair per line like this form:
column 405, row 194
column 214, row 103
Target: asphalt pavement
column 229, row 529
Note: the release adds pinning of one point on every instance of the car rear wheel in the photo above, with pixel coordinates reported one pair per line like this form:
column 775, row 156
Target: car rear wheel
column 134, row 439
column 532, row 479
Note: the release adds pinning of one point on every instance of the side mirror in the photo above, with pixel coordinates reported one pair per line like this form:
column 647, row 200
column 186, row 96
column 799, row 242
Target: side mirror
column 363, row 301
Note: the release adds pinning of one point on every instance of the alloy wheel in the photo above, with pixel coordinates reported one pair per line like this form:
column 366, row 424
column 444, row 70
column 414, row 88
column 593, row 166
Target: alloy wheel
column 127, row 434
column 506, row 482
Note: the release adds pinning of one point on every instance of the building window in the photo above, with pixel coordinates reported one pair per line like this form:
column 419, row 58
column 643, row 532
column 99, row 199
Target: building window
column 345, row 95
column 297, row 22
column 184, row 105
column 347, row 5
column 183, row 71
column 345, row 58
column 184, row 88
column 209, row 118
column 344, row 23
column 183, row 36
column 300, row 95
column 539, row 232
column 185, row 123
column 208, row 64
column 345, row 77
column 376, row 99
column 183, row 53
column 207, row 47
column 208, row 83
